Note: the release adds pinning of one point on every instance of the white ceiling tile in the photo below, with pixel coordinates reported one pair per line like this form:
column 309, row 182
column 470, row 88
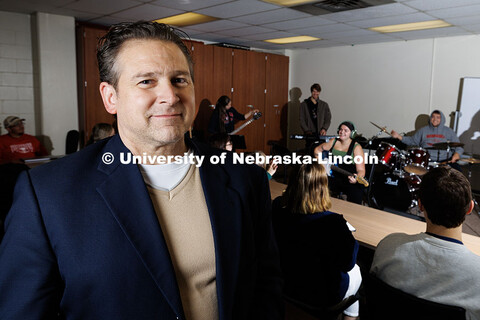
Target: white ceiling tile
column 371, row 12
column 29, row 6
column 212, row 37
column 431, row 33
column 102, row 7
column 272, row 16
column 347, row 34
column 312, row 44
column 385, row 21
column 108, row 20
column 298, row 23
column 146, row 12
column 374, row 38
column 218, row 26
column 245, row 31
column 465, row 11
column 269, row 35
column 426, row 5
column 473, row 28
column 190, row 32
column 237, row 8
column 313, row 31
column 464, row 21
column 188, row 5
column 79, row 15
column 255, row 19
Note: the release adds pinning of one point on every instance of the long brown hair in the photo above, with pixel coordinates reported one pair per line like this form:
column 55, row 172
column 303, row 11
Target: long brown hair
column 307, row 190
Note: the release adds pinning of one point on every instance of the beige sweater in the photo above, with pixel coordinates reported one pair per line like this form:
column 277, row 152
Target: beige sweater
column 185, row 222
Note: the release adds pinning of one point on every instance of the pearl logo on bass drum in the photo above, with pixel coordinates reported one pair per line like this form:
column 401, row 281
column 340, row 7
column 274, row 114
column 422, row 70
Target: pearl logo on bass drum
column 391, row 182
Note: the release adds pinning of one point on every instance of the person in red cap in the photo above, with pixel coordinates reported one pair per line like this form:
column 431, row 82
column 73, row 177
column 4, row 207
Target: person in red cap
column 16, row 144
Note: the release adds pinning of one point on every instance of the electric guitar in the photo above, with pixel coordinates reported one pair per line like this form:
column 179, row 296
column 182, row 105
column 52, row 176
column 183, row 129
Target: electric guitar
column 256, row 116
column 359, row 179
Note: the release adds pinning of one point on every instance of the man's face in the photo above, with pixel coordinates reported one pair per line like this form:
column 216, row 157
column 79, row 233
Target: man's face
column 436, row 119
column 315, row 94
column 154, row 100
column 17, row 130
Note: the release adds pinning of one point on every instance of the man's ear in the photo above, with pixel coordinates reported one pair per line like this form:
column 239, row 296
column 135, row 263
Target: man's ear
column 109, row 97
column 472, row 205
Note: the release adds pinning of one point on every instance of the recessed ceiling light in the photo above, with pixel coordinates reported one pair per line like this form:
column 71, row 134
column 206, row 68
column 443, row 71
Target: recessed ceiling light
column 412, row 26
column 292, row 39
column 186, row 19
column 289, row 3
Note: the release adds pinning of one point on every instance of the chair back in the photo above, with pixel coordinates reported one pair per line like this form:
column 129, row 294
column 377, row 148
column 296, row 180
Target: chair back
column 386, row 302
column 71, row 144
column 323, row 313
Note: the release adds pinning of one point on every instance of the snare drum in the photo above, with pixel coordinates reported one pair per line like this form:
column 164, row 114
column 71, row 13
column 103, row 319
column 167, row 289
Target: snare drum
column 389, row 156
column 417, row 161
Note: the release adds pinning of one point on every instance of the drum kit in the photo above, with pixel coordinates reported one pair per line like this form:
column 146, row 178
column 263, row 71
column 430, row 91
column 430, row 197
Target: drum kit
column 397, row 181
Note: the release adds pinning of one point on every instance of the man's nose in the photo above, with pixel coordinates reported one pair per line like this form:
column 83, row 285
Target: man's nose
column 167, row 93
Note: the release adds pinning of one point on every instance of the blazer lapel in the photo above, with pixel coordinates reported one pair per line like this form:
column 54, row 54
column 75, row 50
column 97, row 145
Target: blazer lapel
column 126, row 195
column 225, row 209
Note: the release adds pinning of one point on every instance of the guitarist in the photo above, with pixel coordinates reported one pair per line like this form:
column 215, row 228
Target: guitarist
column 343, row 146
column 224, row 116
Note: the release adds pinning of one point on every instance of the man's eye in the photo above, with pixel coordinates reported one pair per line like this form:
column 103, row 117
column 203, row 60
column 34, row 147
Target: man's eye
column 145, row 82
column 179, row 81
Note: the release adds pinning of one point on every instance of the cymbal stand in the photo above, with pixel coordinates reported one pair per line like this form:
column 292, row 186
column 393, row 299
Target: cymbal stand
column 371, row 140
column 448, row 151
column 476, row 207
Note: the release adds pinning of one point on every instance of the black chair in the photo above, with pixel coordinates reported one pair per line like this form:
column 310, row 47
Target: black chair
column 324, row 313
column 386, row 302
column 277, row 149
column 71, row 144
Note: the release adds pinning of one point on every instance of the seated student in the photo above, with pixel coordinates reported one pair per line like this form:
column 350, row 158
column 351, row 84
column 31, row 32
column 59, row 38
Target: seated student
column 221, row 141
column 345, row 146
column 435, row 265
column 270, row 168
column 16, row 145
column 101, row 131
column 317, row 250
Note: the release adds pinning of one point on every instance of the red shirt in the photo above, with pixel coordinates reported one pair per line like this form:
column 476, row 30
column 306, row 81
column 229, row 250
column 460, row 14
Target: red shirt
column 23, row 147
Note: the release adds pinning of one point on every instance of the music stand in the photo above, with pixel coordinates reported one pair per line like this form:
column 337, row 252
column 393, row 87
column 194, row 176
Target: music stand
column 238, row 141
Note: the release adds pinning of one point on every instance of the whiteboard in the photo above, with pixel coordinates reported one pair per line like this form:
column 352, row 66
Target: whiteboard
column 468, row 127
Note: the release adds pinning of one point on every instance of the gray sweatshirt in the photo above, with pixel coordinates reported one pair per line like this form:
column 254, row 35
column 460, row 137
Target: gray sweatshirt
column 428, row 135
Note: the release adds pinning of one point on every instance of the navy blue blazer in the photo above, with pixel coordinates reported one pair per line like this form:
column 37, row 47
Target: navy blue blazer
column 83, row 241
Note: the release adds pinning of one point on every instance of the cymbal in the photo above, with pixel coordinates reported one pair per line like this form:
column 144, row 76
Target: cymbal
column 470, row 160
column 446, row 145
column 381, row 128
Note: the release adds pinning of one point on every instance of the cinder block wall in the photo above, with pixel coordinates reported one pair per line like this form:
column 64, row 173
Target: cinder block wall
column 16, row 75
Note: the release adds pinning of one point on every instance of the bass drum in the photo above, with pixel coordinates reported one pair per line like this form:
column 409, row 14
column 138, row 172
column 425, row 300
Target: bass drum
column 395, row 191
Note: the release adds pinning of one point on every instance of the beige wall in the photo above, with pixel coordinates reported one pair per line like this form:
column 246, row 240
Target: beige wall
column 56, row 102
column 16, row 75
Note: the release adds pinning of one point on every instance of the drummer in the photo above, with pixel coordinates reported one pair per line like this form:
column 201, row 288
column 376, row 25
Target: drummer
column 435, row 132
column 343, row 146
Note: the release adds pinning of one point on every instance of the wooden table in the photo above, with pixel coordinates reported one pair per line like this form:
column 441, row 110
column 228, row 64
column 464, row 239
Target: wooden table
column 373, row 225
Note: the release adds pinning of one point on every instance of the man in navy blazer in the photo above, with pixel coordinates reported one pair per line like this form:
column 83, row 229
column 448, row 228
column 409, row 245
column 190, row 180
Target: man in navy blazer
column 85, row 239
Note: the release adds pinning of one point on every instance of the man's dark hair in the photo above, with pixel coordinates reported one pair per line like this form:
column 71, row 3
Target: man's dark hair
column 110, row 44
column 315, row 86
column 436, row 112
column 446, row 196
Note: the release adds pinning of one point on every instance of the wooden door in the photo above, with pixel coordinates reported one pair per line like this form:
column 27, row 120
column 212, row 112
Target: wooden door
column 203, row 69
column 249, row 90
column 91, row 109
column 222, row 72
column 276, row 100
